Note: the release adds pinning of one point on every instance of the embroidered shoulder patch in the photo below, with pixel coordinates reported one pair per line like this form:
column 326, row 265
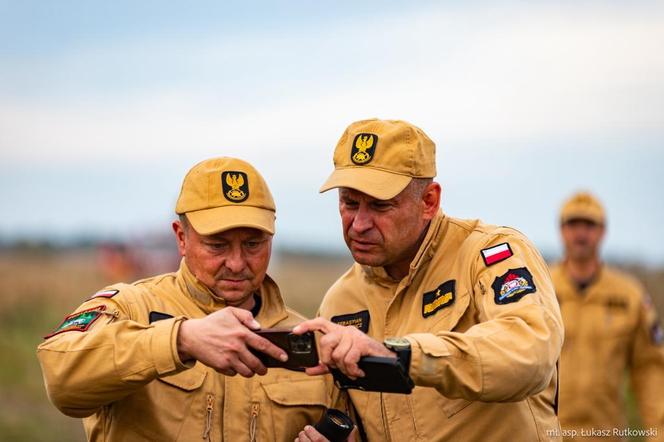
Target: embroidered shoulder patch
column 441, row 297
column 359, row 320
column 105, row 294
column 513, row 285
column 79, row 321
column 496, row 254
column 158, row 316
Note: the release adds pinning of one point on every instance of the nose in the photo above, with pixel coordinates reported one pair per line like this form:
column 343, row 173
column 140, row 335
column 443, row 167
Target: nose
column 362, row 221
column 235, row 261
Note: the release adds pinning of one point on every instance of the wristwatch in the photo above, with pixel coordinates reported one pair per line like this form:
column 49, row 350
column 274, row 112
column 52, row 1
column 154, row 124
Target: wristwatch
column 401, row 346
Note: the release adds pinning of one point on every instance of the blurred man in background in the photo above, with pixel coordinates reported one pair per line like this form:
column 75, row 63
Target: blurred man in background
column 141, row 361
column 119, row 262
column 467, row 308
column 610, row 328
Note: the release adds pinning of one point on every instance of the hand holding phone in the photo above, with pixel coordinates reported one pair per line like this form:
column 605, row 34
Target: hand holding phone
column 301, row 349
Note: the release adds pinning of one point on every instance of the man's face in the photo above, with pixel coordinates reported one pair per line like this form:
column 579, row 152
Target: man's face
column 581, row 239
column 232, row 263
column 384, row 232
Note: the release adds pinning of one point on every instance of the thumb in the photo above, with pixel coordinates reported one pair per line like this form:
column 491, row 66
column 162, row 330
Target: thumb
column 246, row 318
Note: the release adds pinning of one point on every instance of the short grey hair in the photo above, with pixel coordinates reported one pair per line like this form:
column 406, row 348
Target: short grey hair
column 415, row 189
column 184, row 221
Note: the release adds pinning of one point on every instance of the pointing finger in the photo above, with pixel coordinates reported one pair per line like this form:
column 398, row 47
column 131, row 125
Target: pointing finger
column 263, row 345
column 318, row 324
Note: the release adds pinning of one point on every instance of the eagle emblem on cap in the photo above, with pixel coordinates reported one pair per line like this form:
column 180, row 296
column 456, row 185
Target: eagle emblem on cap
column 364, row 146
column 235, row 186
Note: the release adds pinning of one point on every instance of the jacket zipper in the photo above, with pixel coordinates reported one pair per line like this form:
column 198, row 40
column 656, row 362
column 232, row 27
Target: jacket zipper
column 255, row 408
column 115, row 314
column 208, row 419
column 386, row 428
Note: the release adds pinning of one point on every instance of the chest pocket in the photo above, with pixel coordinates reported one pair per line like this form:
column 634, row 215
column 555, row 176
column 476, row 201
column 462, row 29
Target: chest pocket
column 606, row 319
column 448, row 318
column 618, row 317
column 171, row 405
column 289, row 405
column 189, row 400
column 188, row 380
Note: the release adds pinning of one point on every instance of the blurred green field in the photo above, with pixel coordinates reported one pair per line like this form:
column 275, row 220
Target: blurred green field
column 42, row 286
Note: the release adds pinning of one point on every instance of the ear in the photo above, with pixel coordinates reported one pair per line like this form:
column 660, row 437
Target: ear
column 431, row 200
column 180, row 236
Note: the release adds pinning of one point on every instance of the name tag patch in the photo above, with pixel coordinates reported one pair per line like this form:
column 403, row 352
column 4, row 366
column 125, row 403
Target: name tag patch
column 441, row 297
column 359, row 320
column 80, row 321
column 616, row 304
column 513, row 285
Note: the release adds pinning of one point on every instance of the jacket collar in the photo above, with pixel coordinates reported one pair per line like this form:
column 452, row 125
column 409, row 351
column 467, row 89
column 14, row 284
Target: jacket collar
column 272, row 309
column 595, row 281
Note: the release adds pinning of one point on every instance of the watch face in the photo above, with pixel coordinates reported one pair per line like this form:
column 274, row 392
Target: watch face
column 397, row 343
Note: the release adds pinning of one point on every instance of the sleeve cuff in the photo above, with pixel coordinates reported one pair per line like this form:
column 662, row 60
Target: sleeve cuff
column 425, row 352
column 164, row 346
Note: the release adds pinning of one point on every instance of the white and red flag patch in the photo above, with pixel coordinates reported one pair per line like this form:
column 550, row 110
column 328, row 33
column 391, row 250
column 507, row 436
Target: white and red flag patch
column 105, row 294
column 495, row 254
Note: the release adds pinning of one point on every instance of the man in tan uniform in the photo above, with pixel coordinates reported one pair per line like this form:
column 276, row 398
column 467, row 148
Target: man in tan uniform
column 470, row 307
column 610, row 327
column 140, row 362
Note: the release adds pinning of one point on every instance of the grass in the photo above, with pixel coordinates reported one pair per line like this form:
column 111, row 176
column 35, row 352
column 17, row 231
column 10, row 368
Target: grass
column 26, row 413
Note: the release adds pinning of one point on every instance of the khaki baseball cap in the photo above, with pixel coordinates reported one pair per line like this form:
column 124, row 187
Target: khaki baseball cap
column 380, row 158
column 224, row 193
column 582, row 205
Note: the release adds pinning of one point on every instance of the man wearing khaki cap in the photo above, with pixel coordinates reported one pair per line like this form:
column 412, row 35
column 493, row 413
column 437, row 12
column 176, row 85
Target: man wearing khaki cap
column 467, row 308
column 610, row 328
column 142, row 361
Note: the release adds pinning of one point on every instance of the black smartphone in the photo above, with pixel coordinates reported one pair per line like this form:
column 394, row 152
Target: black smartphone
column 301, row 349
column 380, row 374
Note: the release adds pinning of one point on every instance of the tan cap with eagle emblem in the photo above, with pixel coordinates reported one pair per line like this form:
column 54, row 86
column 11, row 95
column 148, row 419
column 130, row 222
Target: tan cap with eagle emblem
column 224, row 193
column 380, row 158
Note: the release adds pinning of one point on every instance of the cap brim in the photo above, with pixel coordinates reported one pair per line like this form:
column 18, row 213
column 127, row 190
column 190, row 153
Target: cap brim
column 374, row 182
column 582, row 215
column 219, row 219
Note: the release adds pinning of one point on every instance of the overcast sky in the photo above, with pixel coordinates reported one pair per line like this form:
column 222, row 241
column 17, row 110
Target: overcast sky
column 104, row 106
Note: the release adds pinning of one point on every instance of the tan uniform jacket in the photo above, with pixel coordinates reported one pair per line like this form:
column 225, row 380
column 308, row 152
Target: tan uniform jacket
column 124, row 377
column 610, row 327
column 484, row 344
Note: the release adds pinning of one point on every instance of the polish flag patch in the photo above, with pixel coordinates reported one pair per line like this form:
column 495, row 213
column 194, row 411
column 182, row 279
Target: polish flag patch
column 495, row 254
column 105, row 294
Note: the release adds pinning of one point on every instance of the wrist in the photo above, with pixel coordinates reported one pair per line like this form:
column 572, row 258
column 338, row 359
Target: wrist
column 182, row 341
column 401, row 348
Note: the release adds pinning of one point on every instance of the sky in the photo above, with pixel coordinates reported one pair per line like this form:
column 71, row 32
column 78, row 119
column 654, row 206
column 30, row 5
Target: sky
column 104, row 106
